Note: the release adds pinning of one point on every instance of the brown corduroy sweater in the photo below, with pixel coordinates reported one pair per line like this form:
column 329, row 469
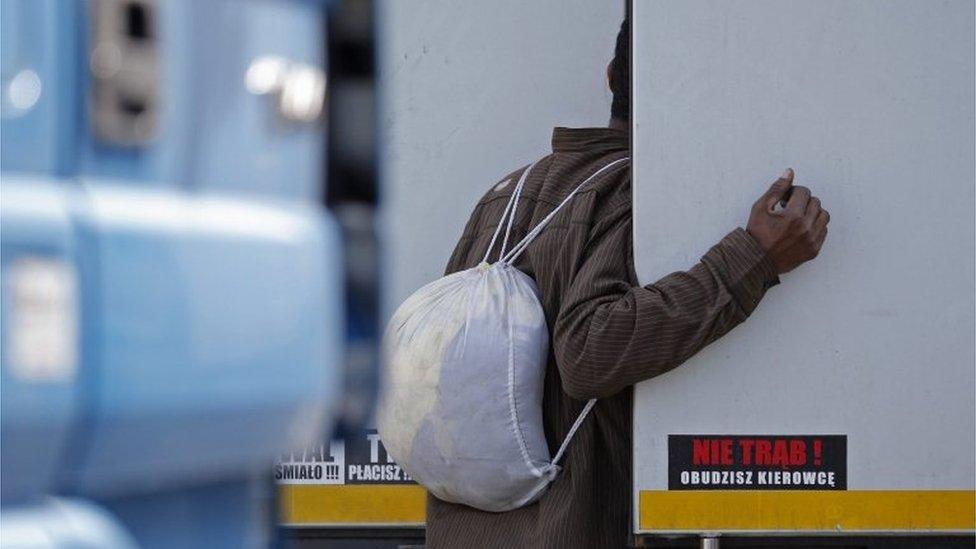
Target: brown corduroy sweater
column 608, row 333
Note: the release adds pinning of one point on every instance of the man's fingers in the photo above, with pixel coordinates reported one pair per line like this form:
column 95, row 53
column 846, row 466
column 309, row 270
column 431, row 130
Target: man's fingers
column 798, row 199
column 813, row 208
column 820, row 223
column 779, row 189
column 819, row 240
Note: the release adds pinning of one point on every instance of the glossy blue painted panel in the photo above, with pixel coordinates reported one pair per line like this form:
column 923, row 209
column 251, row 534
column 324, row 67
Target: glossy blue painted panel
column 271, row 156
column 166, row 160
column 63, row 523
column 37, row 51
column 35, row 414
column 221, row 326
column 209, row 278
column 213, row 133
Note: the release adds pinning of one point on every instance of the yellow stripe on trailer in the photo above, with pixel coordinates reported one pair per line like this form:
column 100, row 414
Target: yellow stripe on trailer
column 399, row 505
column 815, row 511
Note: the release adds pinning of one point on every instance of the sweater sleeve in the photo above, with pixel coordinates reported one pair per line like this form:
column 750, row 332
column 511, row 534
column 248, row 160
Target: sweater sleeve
column 610, row 334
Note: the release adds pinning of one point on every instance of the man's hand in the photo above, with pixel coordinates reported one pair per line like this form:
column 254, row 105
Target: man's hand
column 788, row 223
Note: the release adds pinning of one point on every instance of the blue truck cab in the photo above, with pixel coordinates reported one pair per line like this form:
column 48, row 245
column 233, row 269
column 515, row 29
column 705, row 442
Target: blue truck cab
column 171, row 298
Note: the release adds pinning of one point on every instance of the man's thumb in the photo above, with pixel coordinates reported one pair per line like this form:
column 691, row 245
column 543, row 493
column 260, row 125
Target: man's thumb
column 780, row 188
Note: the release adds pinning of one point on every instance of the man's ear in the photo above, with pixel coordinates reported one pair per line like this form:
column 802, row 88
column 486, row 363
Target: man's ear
column 610, row 76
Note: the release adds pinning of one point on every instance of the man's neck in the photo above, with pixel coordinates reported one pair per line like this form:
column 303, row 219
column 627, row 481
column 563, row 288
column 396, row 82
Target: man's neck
column 618, row 124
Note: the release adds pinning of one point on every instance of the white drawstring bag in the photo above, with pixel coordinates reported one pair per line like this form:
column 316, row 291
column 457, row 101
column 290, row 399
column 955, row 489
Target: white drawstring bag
column 465, row 362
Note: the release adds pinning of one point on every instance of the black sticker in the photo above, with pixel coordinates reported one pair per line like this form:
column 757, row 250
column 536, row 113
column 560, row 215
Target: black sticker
column 368, row 463
column 757, row 462
column 360, row 461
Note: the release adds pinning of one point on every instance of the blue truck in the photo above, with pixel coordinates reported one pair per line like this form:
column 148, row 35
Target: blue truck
column 173, row 288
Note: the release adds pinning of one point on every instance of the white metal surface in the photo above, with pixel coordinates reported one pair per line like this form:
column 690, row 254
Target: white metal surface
column 872, row 103
column 472, row 91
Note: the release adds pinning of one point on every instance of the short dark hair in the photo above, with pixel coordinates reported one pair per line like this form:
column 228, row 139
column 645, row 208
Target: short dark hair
column 620, row 73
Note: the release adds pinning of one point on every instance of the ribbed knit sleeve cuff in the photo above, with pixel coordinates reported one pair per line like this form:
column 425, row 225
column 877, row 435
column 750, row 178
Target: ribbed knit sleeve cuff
column 744, row 267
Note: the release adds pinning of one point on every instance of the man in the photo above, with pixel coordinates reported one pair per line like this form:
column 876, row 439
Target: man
column 608, row 332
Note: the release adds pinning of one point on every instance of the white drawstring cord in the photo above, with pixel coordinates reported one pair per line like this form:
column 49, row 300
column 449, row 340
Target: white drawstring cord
column 516, row 195
column 510, row 257
column 520, row 247
column 573, row 429
column 510, row 212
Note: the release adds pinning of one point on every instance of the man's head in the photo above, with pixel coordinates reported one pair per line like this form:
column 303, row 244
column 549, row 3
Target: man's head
column 618, row 74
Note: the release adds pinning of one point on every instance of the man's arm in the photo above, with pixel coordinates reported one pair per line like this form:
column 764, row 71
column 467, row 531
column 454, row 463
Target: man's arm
column 609, row 334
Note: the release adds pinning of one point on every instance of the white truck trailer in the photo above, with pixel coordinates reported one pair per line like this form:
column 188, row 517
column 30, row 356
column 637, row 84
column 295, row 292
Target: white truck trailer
column 844, row 406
